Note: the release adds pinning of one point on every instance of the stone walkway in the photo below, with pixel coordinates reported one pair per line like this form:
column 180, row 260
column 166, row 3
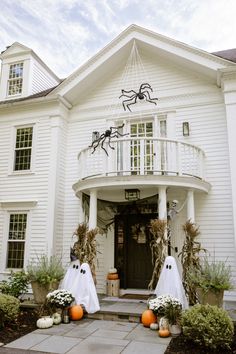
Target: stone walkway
column 90, row 336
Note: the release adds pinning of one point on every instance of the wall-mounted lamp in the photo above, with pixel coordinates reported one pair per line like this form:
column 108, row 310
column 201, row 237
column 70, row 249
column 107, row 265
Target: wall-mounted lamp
column 132, row 194
column 95, row 136
column 185, row 128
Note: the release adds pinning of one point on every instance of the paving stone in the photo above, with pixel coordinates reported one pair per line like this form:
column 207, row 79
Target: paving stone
column 136, row 347
column 57, row 344
column 98, row 345
column 105, row 333
column 143, row 334
column 80, row 332
column 28, row 341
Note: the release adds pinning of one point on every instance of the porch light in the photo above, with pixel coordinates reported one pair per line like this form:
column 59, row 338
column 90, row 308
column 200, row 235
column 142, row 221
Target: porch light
column 132, row 194
column 185, row 128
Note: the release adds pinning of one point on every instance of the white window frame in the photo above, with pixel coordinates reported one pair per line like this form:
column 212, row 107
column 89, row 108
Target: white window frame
column 15, row 207
column 14, row 79
column 11, row 170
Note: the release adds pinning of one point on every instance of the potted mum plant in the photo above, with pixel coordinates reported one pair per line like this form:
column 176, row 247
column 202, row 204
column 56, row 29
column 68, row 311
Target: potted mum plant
column 173, row 313
column 62, row 299
column 210, row 281
column 44, row 274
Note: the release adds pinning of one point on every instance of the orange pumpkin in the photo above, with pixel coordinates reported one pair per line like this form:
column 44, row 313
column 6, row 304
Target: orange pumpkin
column 76, row 312
column 112, row 276
column 164, row 332
column 148, row 317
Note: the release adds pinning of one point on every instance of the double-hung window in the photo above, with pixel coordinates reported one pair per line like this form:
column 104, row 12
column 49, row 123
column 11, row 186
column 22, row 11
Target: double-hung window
column 16, row 240
column 15, row 81
column 23, row 148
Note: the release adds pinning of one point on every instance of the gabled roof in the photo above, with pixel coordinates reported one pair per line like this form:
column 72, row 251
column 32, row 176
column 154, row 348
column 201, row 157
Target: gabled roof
column 229, row 54
column 17, row 49
column 111, row 55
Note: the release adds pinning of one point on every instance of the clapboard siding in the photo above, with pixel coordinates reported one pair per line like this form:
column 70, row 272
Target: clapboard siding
column 41, row 79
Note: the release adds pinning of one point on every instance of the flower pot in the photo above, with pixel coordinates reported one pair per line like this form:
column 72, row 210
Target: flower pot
column 210, row 297
column 40, row 291
column 175, row 330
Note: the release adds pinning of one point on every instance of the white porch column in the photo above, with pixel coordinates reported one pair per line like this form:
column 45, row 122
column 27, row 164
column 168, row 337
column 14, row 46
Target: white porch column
column 93, row 209
column 162, row 212
column 190, row 206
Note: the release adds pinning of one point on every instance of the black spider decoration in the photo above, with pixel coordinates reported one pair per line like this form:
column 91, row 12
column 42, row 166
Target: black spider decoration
column 143, row 93
column 109, row 133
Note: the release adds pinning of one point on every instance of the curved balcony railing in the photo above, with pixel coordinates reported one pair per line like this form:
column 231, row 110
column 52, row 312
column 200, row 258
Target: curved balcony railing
column 142, row 156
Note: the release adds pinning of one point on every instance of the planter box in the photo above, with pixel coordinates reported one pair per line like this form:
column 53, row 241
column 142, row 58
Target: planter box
column 40, row 291
column 210, row 297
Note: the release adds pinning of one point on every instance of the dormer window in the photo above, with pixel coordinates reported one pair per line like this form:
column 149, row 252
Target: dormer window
column 15, row 80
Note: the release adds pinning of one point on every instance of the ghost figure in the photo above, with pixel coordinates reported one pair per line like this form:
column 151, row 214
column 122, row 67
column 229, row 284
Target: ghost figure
column 71, row 276
column 170, row 282
column 85, row 291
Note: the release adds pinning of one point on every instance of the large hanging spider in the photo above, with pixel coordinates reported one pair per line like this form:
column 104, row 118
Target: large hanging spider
column 143, row 93
column 112, row 132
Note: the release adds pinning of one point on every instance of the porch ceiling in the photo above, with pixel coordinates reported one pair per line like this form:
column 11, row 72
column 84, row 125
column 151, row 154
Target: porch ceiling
column 113, row 188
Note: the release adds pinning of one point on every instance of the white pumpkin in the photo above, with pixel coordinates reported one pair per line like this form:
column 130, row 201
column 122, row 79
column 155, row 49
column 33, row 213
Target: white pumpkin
column 154, row 326
column 112, row 270
column 56, row 318
column 44, row 322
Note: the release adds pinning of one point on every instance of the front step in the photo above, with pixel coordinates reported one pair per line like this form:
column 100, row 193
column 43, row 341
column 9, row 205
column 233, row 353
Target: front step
column 115, row 316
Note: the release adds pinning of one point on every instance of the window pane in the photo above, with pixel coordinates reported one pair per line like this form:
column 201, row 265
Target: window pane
column 16, row 240
column 24, row 137
column 15, row 257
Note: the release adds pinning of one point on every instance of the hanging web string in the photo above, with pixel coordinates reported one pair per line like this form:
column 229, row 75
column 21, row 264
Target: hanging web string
column 134, row 74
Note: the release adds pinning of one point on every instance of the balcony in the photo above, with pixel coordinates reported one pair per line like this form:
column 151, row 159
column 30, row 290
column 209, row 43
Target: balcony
column 135, row 161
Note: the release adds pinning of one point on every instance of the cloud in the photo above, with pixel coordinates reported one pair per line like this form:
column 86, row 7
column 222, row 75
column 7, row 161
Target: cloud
column 65, row 33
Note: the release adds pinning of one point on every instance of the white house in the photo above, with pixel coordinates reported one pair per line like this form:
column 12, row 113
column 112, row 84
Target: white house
column 177, row 123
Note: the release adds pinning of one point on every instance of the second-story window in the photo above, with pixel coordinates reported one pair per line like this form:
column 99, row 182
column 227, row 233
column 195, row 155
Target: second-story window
column 15, row 80
column 23, row 148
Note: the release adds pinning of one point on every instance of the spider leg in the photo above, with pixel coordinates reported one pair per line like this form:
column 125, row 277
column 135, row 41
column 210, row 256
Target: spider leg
column 148, row 98
column 145, row 86
column 119, row 127
column 109, row 143
column 134, row 101
column 117, row 134
column 130, row 99
column 103, row 141
column 125, row 93
column 94, row 146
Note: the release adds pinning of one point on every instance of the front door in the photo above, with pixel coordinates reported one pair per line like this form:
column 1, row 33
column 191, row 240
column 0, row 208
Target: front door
column 133, row 253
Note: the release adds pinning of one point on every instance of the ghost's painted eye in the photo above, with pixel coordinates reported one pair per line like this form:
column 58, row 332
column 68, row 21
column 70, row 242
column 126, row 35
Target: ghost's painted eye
column 77, row 267
column 74, row 266
column 169, row 266
column 81, row 270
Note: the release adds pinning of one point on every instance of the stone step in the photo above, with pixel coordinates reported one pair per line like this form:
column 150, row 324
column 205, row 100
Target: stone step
column 115, row 316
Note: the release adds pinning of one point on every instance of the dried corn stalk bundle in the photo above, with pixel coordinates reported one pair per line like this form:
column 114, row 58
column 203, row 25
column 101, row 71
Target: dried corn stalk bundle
column 190, row 257
column 85, row 248
column 158, row 245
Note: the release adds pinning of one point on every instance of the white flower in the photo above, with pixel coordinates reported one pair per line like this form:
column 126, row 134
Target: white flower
column 60, row 298
column 159, row 303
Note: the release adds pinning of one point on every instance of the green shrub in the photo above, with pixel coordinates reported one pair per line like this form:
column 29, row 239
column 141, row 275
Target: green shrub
column 9, row 308
column 16, row 285
column 208, row 326
column 45, row 270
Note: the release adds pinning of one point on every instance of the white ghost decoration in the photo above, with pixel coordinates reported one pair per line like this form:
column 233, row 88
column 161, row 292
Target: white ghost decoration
column 71, row 276
column 170, row 283
column 85, row 291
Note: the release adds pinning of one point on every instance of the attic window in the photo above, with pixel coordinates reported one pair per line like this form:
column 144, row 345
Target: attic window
column 15, row 79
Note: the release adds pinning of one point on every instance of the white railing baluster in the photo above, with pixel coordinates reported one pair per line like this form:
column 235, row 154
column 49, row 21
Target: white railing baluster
column 169, row 156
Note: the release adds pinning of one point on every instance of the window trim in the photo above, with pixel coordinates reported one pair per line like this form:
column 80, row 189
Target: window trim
column 11, row 170
column 12, row 79
column 7, row 213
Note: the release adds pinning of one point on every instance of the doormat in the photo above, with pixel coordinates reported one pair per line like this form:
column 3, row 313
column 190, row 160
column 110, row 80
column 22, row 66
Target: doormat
column 135, row 296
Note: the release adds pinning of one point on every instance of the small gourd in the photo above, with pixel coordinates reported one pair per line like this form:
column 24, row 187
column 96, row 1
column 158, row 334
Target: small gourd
column 154, row 326
column 112, row 270
column 56, row 318
column 112, row 276
column 44, row 322
column 147, row 318
column 164, row 332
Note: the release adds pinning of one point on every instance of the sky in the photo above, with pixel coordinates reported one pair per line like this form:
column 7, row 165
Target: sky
column 66, row 33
